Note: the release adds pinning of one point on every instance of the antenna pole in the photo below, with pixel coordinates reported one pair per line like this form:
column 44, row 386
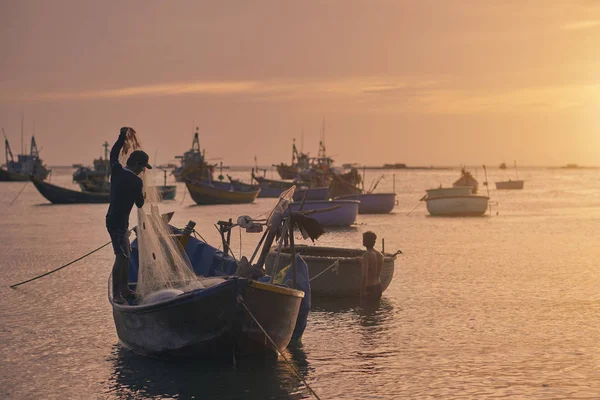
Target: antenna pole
column 22, row 145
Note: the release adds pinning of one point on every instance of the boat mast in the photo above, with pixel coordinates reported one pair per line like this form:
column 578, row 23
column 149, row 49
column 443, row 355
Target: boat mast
column 7, row 150
column 22, row 145
column 196, row 142
column 516, row 170
column 105, row 145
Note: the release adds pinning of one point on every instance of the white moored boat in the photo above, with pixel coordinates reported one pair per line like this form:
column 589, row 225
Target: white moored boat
column 510, row 185
column 457, row 206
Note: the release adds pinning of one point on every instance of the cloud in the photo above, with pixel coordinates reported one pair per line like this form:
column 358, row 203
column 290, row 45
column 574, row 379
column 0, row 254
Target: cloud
column 359, row 94
column 166, row 89
column 580, row 25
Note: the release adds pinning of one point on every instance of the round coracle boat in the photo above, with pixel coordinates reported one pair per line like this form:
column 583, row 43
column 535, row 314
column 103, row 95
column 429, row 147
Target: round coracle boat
column 328, row 279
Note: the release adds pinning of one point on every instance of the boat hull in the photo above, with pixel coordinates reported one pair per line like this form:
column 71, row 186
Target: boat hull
column 205, row 193
column 58, row 195
column 344, row 215
column 320, row 193
column 211, row 322
column 343, row 281
column 287, row 171
column 457, row 206
column 510, row 185
column 7, row 176
column 372, row 203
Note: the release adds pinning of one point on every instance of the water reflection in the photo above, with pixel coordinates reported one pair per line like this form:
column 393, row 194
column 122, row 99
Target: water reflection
column 137, row 376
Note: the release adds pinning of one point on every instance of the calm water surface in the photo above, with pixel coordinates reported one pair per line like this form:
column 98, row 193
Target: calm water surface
column 501, row 306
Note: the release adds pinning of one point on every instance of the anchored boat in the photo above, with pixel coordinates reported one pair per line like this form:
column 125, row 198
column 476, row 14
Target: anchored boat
column 26, row 164
column 59, row 195
column 335, row 213
column 193, row 164
column 214, row 192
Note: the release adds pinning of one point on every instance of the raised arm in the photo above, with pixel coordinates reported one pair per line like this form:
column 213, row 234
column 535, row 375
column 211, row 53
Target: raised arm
column 116, row 149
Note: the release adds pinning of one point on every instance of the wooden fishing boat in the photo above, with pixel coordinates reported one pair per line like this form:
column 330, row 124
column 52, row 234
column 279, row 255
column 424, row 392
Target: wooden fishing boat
column 25, row 165
column 211, row 321
column 340, row 212
column 457, row 206
column 342, row 280
column 372, row 203
column 193, row 164
column 7, row 176
column 510, row 185
column 230, row 316
column 59, row 195
column 467, row 179
column 206, row 193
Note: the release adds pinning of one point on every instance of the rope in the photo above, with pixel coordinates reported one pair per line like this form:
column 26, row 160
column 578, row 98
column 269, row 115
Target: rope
column 183, row 198
column 422, row 198
column 18, row 194
column 335, row 263
column 59, row 268
column 198, row 233
column 241, row 301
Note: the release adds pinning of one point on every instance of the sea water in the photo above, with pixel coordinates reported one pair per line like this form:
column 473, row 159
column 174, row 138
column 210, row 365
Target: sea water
column 505, row 305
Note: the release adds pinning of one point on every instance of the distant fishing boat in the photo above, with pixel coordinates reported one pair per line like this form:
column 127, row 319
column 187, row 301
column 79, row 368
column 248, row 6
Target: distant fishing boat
column 26, row 164
column 193, row 164
column 467, row 179
column 339, row 212
column 95, row 179
column 214, row 192
column 299, row 162
column 517, row 184
column 343, row 280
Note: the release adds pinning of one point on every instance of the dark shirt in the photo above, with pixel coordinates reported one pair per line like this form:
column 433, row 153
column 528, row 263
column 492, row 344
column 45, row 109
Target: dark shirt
column 126, row 188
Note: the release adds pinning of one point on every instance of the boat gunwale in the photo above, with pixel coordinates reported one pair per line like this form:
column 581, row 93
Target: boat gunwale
column 472, row 196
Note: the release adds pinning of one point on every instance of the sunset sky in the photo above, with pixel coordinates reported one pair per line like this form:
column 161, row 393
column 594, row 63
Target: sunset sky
column 420, row 82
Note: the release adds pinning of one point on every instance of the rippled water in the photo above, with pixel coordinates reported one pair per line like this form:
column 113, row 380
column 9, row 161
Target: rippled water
column 501, row 306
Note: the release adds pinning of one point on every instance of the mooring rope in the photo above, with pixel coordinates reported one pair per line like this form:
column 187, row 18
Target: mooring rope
column 243, row 303
column 335, row 263
column 18, row 194
column 59, row 268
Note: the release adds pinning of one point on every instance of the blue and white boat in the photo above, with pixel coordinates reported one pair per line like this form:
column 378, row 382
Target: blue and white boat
column 372, row 203
column 219, row 320
column 339, row 212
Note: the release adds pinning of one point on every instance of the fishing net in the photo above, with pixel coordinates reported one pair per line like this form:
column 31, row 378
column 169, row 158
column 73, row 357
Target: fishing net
column 162, row 260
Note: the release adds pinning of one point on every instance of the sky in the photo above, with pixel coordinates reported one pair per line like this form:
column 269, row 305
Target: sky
column 423, row 82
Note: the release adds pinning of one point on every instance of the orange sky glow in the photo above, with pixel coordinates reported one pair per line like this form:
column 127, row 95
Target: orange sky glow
column 419, row 82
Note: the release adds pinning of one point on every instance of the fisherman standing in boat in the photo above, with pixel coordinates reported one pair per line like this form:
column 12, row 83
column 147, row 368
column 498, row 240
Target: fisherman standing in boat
column 372, row 261
column 126, row 188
